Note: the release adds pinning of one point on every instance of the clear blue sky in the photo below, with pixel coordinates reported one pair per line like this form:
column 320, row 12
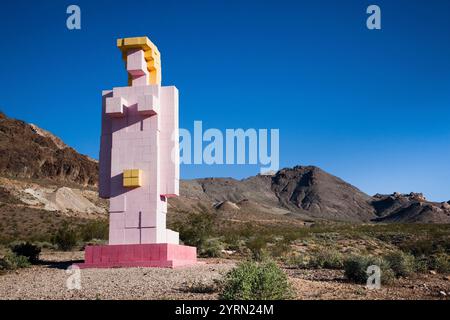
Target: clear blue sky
column 372, row 107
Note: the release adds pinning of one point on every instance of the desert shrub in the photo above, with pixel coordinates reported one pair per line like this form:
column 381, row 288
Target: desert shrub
column 421, row 264
column 355, row 269
column 12, row 262
column 27, row 250
column 403, row 264
column 281, row 247
column 426, row 247
column 197, row 229
column 258, row 247
column 94, row 230
column 327, row 259
column 256, row 281
column 233, row 241
column 65, row 238
column 440, row 262
column 211, row 248
column 296, row 261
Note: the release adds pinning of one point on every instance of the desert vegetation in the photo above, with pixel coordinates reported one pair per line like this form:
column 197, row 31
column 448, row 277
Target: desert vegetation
column 252, row 280
column 267, row 254
column 400, row 250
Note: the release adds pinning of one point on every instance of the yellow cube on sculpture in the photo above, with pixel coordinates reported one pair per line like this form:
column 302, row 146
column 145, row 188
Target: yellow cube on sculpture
column 132, row 178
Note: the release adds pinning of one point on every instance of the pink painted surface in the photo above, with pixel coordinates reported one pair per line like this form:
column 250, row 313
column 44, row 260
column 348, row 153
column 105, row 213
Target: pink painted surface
column 137, row 67
column 139, row 131
column 162, row 255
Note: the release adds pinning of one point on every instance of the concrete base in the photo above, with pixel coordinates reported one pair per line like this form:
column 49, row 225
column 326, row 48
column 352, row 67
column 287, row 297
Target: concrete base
column 160, row 255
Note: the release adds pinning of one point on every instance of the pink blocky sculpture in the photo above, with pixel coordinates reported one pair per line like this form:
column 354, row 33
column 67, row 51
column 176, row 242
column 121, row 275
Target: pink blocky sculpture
column 139, row 166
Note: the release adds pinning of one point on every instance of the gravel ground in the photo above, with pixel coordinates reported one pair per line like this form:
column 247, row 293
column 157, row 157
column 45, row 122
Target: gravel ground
column 331, row 285
column 48, row 281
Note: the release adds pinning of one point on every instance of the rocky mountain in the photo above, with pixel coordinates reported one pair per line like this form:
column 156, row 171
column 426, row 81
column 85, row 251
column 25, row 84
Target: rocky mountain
column 409, row 208
column 308, row 193
column 320, row 195
column 39, row 172
column 30, row 152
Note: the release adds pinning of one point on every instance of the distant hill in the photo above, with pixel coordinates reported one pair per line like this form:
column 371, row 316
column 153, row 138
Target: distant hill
column 310, row 194
column 321, row 195
column 410, row 208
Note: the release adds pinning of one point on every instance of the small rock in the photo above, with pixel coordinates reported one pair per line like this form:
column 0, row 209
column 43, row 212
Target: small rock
column 432, row 272
column 442, row 293
column 447, row 278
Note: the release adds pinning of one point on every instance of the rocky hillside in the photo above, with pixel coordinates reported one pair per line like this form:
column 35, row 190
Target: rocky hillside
column 411, row 207
column 308, row 193
column 30, row 152
column 321, row 195
column 43, row 182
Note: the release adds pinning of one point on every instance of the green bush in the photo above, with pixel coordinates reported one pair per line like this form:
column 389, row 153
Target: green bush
column 94, row 230
column 65, row 238
column 258, row 247
column 256, row 281
column 28, row 250
column 355, row 269
column 281, row 247
column 197, row 229
column 12, row 262
column 440, row 262
column 296, row 261
column 421, row 264
column 211, row 248
column 326, row 259
column 427, row 246
column 403, row 264
column 233, row 241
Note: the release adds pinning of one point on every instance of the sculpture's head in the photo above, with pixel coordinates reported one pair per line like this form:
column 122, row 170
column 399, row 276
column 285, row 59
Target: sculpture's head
column 142, row 58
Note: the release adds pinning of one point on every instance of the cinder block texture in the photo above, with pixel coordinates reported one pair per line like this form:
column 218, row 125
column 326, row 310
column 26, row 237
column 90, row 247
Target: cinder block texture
column 115, row 106
column 148, row 105
column 139, row 160
column 139, row 166
column 163, row 255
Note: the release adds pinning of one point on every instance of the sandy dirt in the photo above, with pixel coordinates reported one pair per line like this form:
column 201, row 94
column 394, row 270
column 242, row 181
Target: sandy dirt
column 332, row 285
